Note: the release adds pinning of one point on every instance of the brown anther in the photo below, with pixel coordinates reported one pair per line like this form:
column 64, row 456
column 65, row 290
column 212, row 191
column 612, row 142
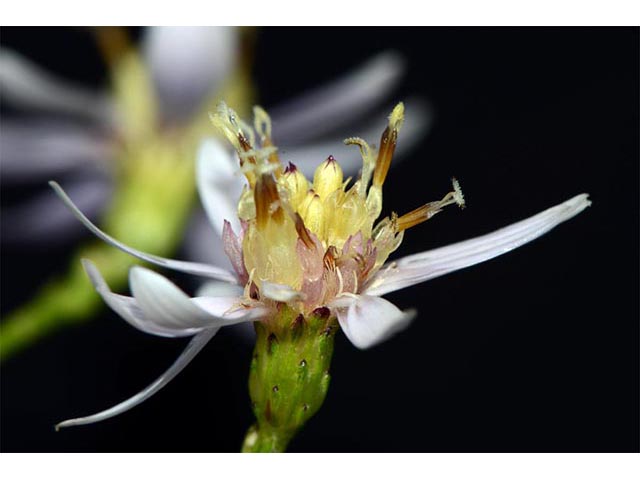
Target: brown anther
column 291, row 168
column 244, row 142
column 417, row 216
column 385, row 154
column 246, row 146
column 303, row 233
column 267, row 201
column 329, row 258
column 359, row 258
column 254, row 293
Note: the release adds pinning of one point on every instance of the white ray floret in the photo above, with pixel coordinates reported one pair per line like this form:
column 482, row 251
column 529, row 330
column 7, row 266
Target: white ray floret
column 187, row 267
column 196, row 344
column 24, row 84
column 367, row 320
column 160, row 308
column 414, row 269
column 339, row 102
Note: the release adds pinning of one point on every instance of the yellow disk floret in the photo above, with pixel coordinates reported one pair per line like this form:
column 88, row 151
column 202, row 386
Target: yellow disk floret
column 320, row 237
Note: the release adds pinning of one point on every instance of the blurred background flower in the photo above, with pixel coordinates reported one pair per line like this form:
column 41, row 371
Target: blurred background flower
column 521, row 117
column 117, row 148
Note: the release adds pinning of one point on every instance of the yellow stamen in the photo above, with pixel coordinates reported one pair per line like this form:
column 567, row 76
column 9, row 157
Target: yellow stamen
column 417, row 216
column 425, row 212
column 292, row 224
column 262, row 125
column 368, row 163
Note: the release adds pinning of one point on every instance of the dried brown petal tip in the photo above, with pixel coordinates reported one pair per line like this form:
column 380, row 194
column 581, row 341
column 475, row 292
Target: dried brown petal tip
column 267, row 201
column 298, row 323
column 329, row 258
column 254, row 292
column 322, row 312
column 291, row 168
column 302, row 232
column 272, row 340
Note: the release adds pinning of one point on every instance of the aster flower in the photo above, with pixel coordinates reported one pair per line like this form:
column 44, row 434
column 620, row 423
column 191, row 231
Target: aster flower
column 309, row 258
column 114, row 150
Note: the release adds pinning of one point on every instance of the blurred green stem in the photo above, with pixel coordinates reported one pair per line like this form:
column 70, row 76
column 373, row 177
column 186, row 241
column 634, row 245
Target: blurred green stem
column 148, row 211
column 66, row 300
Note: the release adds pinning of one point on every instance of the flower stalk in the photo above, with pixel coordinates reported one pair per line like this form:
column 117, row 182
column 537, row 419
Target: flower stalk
column 289, row 375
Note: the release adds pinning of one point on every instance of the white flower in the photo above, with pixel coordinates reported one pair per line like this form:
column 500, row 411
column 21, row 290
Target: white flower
column 76, row 134
column 312, row 245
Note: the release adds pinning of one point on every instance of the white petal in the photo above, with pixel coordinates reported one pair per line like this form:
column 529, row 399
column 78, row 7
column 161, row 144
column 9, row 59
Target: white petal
column 23, row 84
column 338, row 103
column 160, row 299
column 279, row 292
column 39, row 220
column 231, row 309
column 219, row 184
column 245, row 330
column 32, row 150
column 170, row 307
column 188, row 64
column 129, row 309
column 418, row 118
column 367, row 321
column 187, row 267
column 195, row 345
column 427, row 265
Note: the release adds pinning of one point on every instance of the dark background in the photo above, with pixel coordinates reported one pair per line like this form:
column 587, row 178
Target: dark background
column 536, row 351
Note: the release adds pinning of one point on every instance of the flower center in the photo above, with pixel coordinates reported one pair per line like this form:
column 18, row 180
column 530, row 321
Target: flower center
column 318, row 238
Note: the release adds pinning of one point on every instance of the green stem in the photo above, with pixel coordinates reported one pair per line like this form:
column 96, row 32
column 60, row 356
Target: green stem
column 263, row 440
column 289, row 375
